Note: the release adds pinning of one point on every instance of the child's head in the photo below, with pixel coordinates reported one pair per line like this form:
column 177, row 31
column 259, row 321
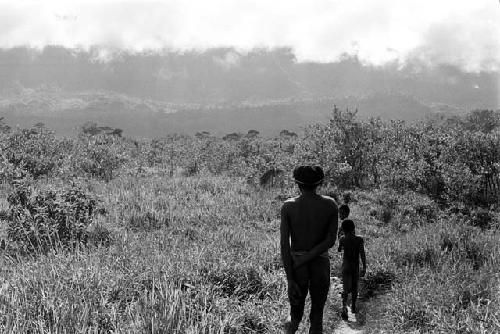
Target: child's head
column 347, row 198
column 344, row 211
column 348, row 226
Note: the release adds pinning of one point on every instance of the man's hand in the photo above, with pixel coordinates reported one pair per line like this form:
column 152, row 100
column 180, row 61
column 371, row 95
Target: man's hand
column 298, row 260
column 293, row 292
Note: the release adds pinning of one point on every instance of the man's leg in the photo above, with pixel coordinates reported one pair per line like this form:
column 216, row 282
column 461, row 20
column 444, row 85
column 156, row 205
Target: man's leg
column 301, row 276
column 319, row 286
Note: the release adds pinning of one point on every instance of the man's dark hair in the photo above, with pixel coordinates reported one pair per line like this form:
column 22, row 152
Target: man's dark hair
column 344, row 210
column 348, row 226
column 307, row 187
column 308, row 177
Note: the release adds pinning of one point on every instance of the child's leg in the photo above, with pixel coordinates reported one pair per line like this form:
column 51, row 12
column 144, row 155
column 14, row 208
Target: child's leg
column 354, row 295
column 346, row 288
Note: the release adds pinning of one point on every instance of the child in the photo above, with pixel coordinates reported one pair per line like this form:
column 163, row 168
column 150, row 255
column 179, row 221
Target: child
column 353, row 247
column 308, row 229
column 344, row 212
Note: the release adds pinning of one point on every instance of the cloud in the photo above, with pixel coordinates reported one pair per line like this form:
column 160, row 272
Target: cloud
column 464, row 33
column 229, row 60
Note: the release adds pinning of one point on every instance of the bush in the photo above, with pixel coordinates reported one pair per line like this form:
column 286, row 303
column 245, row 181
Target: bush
column 482, row 218
column 99, row 156
column 44, row 219
column 36, row 151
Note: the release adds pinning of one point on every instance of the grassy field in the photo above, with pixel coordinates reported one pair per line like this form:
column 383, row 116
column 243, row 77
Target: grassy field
column 201, row 255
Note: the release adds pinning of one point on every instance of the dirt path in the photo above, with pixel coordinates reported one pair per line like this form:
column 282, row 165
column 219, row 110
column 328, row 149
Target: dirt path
column 355, row 322
column 332, row 322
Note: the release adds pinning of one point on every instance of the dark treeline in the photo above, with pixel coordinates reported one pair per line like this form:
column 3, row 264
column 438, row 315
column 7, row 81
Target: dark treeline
column 448, row 158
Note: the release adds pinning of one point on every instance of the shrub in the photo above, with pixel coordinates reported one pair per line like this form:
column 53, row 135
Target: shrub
column 41, row 220
column 36, row 151
column 99, row 156
column 481, row 218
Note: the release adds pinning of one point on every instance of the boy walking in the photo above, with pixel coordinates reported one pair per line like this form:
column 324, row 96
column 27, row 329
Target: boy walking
column 308, row 229
column 353, row 247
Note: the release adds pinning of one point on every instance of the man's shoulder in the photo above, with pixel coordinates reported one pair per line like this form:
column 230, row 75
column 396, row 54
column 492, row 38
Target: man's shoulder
column 289, row 202
column 329, row 200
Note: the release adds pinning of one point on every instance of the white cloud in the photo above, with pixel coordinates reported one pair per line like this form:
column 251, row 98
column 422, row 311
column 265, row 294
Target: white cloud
column 463, row 33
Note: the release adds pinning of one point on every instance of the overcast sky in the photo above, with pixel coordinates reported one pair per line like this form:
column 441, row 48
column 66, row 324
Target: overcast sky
column 465, row 33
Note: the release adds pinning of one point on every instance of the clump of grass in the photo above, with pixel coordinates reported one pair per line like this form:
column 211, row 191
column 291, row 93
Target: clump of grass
column 41, row 220
column 251, row 323
column 423, row 257
column 376, row 283
column 475, row 252
column 241, row 283
column 273, row 264
column 99, row 235
column 147, row 221
column 465, row 244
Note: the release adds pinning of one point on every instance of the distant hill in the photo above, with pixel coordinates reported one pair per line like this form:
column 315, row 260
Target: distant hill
column 138, row 117
column 221, row 90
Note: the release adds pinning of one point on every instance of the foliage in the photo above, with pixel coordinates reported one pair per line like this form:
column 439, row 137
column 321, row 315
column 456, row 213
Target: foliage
column 35, row 151
column 200, row 253
column 99, row 155
column 40, row 220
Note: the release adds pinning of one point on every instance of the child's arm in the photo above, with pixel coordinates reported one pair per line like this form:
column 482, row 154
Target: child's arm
column 341, row 244
column 363, row 257
column 323, row 246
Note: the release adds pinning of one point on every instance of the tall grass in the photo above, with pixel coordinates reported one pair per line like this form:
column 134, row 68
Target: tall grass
column 206, row 260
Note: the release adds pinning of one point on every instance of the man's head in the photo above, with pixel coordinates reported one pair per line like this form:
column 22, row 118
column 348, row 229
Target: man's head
column 344, row 211
column 348, row 226
column 308, row 177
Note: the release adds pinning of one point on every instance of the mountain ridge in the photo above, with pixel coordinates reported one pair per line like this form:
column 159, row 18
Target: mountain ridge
column 222, row 90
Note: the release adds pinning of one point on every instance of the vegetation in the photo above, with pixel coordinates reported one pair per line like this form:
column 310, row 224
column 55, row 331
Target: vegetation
column 180, row 234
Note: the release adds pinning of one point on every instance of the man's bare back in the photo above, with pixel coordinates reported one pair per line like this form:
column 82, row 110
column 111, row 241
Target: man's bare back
column 311, row 218
column 308, row 229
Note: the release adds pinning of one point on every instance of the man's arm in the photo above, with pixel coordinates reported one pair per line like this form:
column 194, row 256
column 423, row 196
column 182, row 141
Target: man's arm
column 363, row 257
column 286, row 255
column 323, row 246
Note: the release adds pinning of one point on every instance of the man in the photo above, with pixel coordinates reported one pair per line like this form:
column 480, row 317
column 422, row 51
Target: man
column 308, row 229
